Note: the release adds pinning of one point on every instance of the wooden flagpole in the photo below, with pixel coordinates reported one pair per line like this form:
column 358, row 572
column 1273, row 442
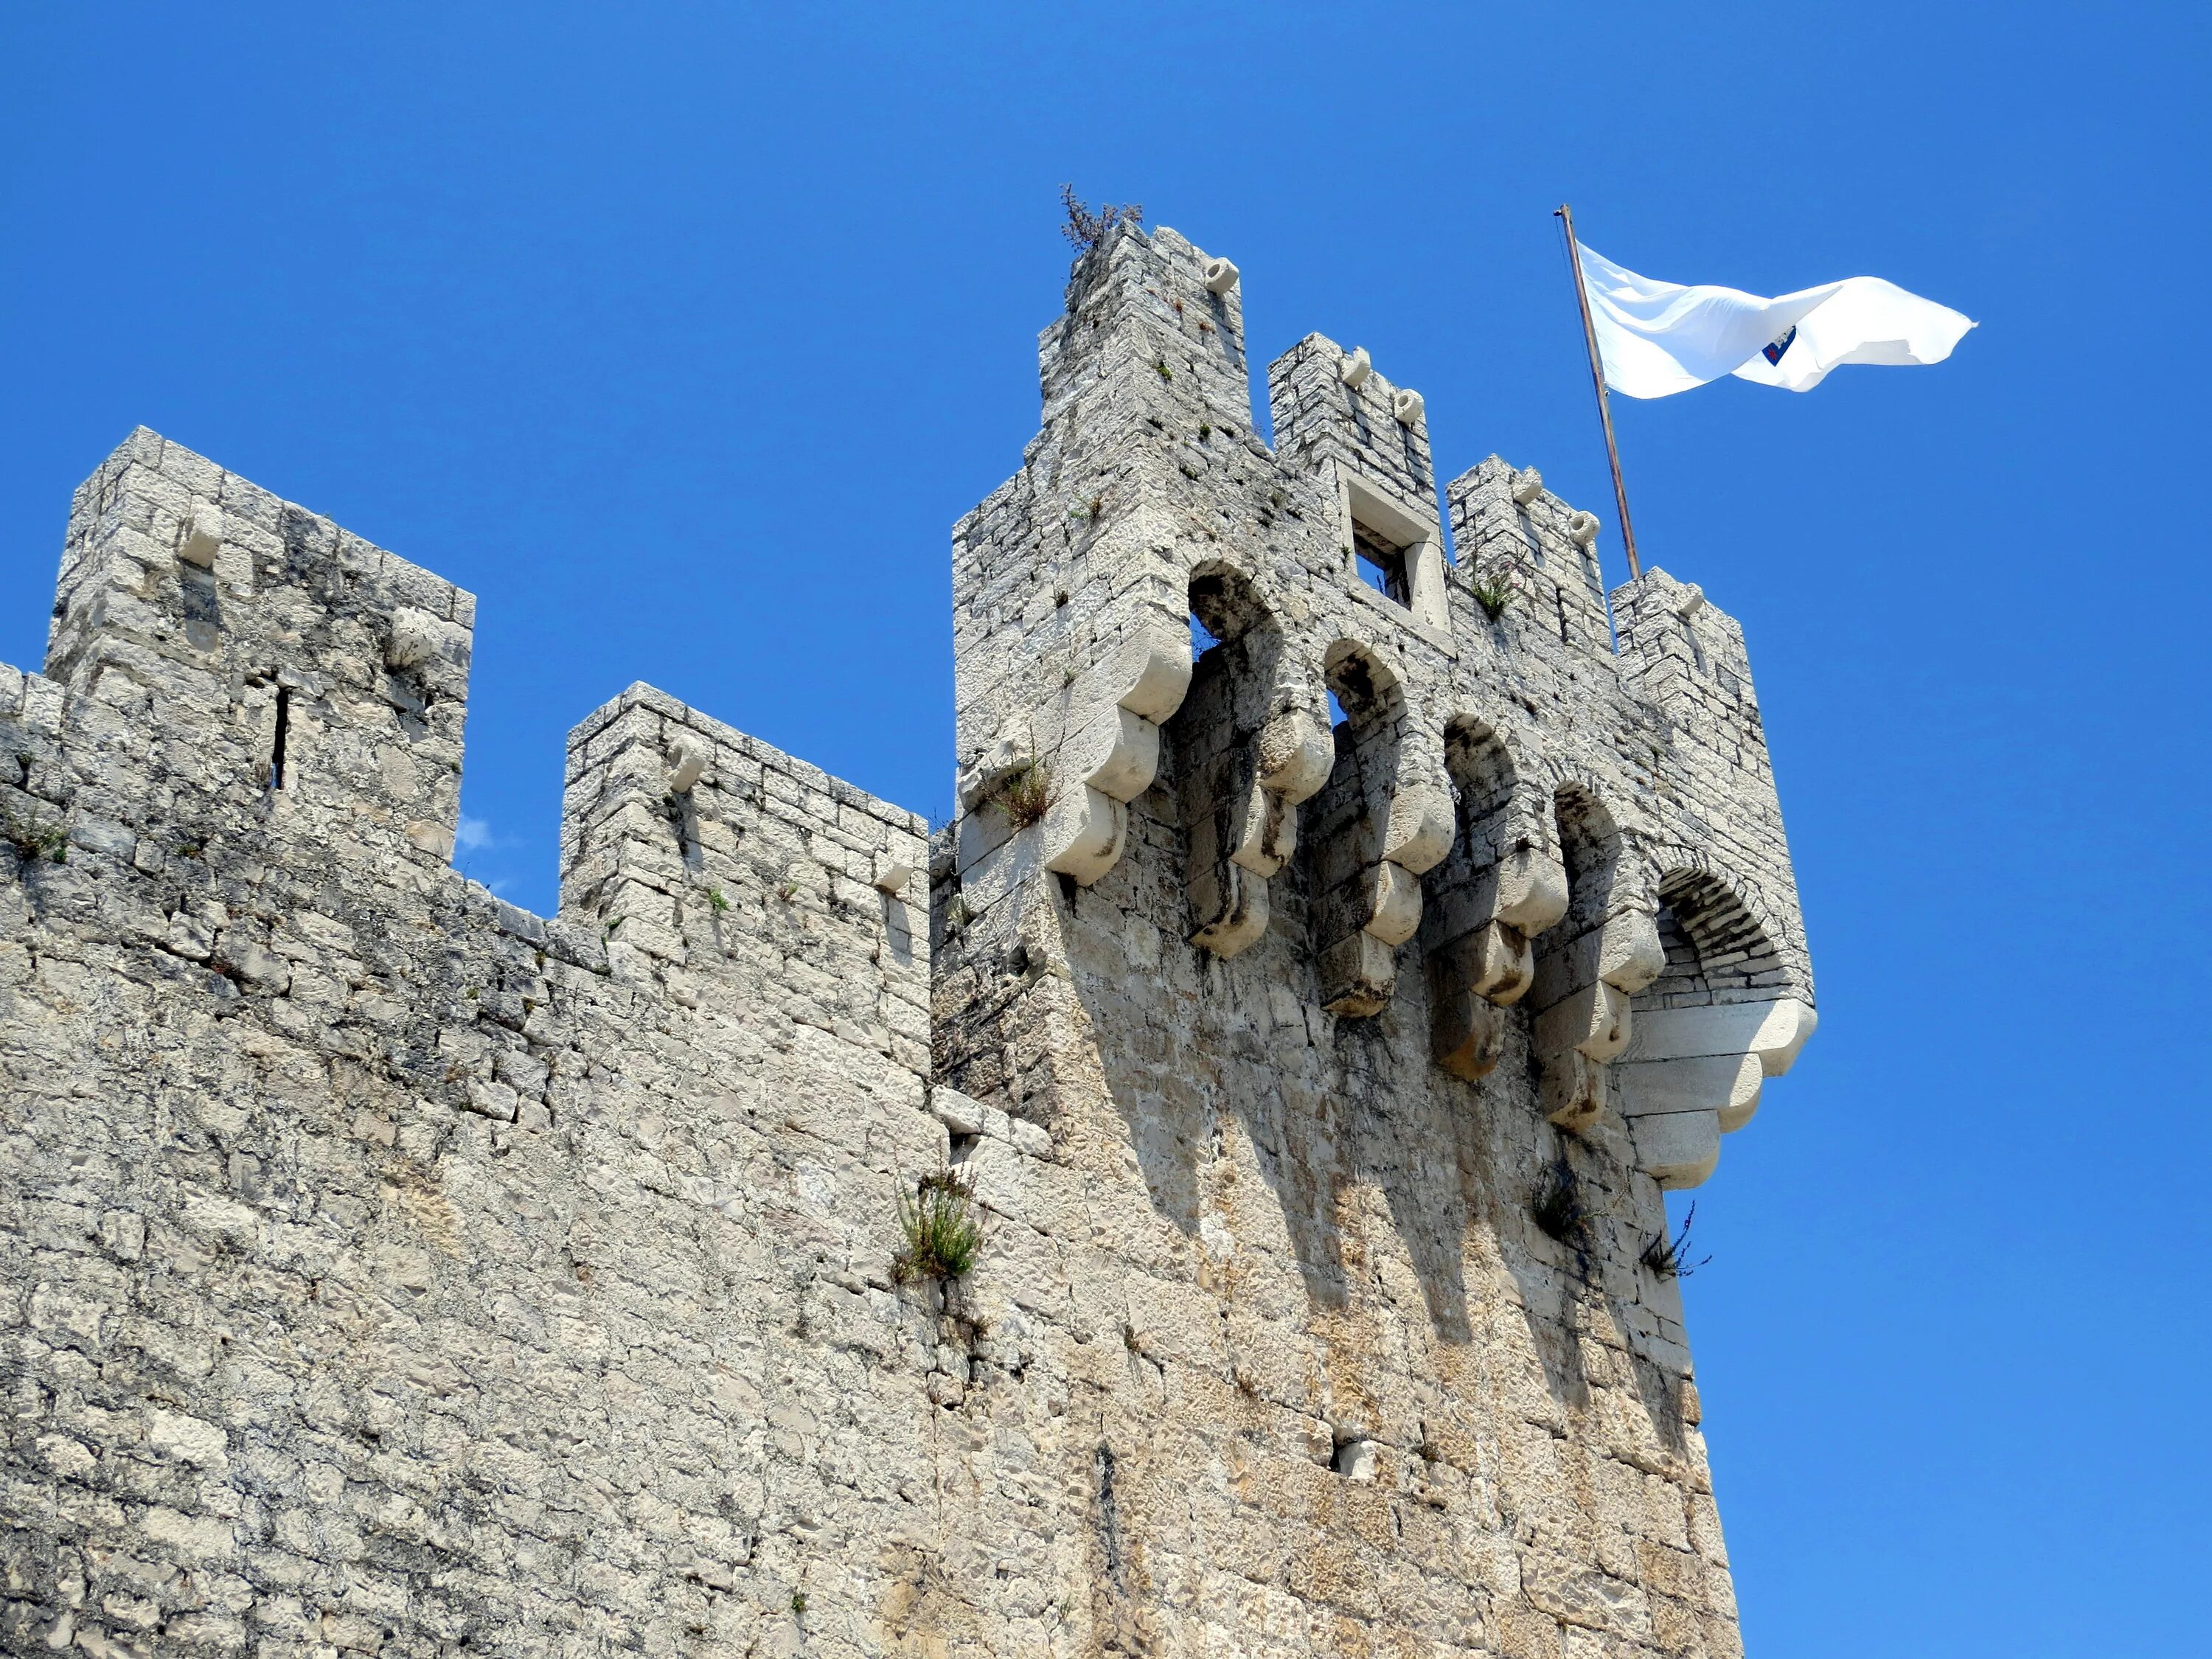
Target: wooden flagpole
column 1598, row 380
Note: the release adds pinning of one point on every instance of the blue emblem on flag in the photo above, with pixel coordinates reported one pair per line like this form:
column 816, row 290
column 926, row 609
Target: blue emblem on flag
column 1773, row 349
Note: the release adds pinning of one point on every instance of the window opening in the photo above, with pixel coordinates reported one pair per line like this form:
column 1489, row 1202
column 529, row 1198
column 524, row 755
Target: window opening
column 1382, row 564
column 1560, row 599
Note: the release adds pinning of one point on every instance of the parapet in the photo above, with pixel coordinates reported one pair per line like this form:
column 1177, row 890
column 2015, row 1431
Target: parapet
column 1449, row 762
column 228, row 670
column 217, row 638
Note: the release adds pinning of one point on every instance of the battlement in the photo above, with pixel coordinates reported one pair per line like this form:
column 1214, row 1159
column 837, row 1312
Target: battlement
column 392, row 1270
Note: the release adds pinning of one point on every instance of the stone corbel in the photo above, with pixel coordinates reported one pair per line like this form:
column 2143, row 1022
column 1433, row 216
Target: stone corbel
column 1359, row 972
column 688, row 759
column 1235, row 852
column 414, row 638
column 1583, row 989
column 1112, row 747
column 425, row 646
column 1688, row 1076
column 1489, row 961
column 200, row 538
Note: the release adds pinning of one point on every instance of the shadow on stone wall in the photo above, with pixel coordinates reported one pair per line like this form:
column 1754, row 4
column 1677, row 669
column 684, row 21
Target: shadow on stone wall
column 1454, row 1164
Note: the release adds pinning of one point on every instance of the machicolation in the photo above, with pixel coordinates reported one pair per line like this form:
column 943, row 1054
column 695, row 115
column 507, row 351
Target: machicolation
column 390, row 1270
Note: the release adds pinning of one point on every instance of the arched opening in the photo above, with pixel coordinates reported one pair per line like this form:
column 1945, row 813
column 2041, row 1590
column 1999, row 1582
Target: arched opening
column 1719, row 1020
column 1716, row 949
column 1587, row 963
column 1494, row 821
column 1346, row 829
column 1479, row 959
column 1483, row 778
column 1207, row 757
column 1224, row 608
column 1363, row 686
column 1589, row 848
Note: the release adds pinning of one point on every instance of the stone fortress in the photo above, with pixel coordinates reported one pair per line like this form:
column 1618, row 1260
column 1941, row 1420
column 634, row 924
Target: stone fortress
column 1318, row 1017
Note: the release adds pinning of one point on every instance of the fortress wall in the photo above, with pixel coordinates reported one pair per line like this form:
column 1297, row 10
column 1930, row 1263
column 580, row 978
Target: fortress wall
column 1305, row 1374
column 385, row 1270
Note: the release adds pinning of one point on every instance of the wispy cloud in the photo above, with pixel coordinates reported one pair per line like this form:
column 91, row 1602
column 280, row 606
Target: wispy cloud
column 474, row 835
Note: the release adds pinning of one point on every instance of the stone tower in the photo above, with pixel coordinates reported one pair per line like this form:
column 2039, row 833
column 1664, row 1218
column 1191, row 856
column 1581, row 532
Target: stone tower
column 1337, row 950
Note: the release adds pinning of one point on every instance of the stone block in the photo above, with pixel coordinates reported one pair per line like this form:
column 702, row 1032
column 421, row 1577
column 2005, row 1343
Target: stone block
column 1394, row 903
column 200, row 537
column 1728, row 1084
column 1357, row 975
column 1593, row 1021
column 1497, row 962
column 1468, row 1031
column 1083, row 832
column 1677, row 1149
column 1572, row 1091
column 1772, row 1030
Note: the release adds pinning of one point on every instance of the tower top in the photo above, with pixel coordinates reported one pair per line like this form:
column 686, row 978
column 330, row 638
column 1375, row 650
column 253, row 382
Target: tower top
column 1265, row 675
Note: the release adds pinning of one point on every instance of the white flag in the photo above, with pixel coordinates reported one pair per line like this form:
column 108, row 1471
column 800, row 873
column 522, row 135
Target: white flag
column 1657, row 338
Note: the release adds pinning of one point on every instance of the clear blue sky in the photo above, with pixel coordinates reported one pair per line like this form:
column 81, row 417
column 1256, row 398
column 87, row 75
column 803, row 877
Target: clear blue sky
column 682, row 337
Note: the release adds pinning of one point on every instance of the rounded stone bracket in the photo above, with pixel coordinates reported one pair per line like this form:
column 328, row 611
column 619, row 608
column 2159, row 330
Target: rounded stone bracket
column 414, row 638
column 1394, row 904
column 1084, row 834
column 1467, row 1029
column 1289, row 761
column 1112, row 752
column 1421, row 827
column 1677, row 1149
column 201, row 539
column 1688, row 1076
column 1236, row 899
column 1297, row 754
column 687, row 764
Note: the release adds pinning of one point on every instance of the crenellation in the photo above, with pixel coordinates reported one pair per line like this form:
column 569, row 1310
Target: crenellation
column 389, row 1269
column 1509, row 530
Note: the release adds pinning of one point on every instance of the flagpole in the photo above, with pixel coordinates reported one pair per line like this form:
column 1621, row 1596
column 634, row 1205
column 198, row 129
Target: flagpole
column 1597, row 382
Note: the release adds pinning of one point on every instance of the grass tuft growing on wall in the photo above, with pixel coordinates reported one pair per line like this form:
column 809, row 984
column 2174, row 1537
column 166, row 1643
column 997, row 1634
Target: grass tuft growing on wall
column 1025, row 794
column 943, row 1233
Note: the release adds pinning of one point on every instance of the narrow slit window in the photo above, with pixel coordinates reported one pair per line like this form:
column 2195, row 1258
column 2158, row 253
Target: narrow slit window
column 276, row 743
column 1560, row 599
column 1381, row 563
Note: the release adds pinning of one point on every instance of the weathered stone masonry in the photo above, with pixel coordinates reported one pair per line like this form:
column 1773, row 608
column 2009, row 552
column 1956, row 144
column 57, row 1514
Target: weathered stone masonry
column 389, row 1271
